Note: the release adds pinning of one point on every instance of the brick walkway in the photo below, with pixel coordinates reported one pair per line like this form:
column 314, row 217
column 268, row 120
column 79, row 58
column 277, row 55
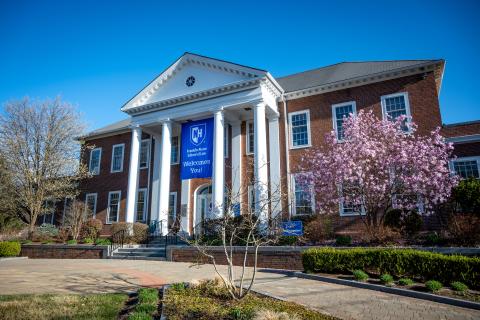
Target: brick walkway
column 96, row 276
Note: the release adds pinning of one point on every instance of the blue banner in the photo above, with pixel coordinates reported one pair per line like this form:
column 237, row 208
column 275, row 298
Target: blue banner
column 292, row 228
column 197, row 149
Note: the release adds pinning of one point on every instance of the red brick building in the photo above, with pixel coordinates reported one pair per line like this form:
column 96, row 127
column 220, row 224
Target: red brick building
column 262, row 125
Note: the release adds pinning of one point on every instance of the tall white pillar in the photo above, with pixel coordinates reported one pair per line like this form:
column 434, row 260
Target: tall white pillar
column 218, row 184
column 164, row 187
column 155, row 177
column 261, row 164
column 236, row 166
column 274, row 166
column 133, row 174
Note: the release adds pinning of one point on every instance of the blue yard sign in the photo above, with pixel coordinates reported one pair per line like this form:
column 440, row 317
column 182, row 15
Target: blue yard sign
column 292, row 228
column 197, row 149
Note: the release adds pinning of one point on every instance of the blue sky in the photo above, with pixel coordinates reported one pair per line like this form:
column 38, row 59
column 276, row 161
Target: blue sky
column 98, row 54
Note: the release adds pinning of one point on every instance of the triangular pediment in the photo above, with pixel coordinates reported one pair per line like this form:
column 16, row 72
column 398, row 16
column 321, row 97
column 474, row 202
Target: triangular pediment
column 191, row 74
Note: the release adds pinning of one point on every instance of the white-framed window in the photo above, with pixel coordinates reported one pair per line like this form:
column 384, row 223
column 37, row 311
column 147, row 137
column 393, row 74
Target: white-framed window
column 113, row 209
column 251, row 197
column 94, row 163
column 304, row 199
column 175, row 150
column 348, row 208
column 67, row 205
column 396, row 105
column 225, row 140
column 340, row 111
column 250, row 137
column 118, row 151
column 466, row 167
column 141, row 210
column 49, row 212
column 172, row 208
column 299, row 129
column 144, row 153
column 91, row 204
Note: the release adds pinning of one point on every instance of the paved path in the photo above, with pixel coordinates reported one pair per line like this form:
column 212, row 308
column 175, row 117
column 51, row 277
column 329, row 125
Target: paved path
column 95, row 276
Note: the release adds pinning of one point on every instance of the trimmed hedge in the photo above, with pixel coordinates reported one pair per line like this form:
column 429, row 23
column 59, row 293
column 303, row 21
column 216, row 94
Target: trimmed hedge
column 9, row 249
column 397, row 262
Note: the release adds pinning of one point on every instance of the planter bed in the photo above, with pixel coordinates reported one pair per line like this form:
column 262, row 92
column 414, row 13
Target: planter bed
column 64, row 251
column 209, row 300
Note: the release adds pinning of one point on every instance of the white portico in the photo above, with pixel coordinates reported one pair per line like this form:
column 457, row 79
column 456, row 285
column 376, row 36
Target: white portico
column 194, row 88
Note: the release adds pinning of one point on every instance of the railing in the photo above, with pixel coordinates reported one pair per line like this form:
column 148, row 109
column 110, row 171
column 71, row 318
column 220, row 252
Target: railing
column 118, row 240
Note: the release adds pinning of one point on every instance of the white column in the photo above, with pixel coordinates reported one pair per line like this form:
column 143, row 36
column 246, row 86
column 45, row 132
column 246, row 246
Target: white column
column 184, row 207
column 261, row 165
column 274, row 166
column 218, row 183
column 155, row 177
column 164, row 188
column 236, row 165
column 133, row 174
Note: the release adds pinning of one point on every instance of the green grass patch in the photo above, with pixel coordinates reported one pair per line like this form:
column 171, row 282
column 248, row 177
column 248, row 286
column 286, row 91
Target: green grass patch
column 433, row 285
column 360, row 275
column 406, row 282
column 77, row 307
column 459, row 286
column 386, row 279
column 147, row 304
column 208, row 301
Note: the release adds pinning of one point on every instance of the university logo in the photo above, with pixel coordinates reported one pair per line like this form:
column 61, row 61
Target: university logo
column 198, row 133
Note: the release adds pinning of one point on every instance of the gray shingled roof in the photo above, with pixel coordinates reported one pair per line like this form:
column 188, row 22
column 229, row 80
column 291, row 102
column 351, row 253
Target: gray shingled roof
column 342, row 71
column 116, row 126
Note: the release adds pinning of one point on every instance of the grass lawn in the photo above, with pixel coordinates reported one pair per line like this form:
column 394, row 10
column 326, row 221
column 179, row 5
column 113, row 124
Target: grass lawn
column 211, row 301
column 95, row 306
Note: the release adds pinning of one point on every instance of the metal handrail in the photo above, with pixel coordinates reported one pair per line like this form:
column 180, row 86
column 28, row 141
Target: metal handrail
column 118, row 240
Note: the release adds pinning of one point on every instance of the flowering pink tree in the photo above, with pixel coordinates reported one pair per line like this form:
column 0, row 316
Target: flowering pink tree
column 378, row 165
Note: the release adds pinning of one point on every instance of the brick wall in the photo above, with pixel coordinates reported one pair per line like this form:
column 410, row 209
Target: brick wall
column 53, row 251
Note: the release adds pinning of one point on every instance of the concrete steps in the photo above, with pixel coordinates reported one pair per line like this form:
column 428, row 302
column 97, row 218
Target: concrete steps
column 141, row 253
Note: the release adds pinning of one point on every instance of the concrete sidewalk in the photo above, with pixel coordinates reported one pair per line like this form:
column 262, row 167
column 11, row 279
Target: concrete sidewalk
column 97, row 276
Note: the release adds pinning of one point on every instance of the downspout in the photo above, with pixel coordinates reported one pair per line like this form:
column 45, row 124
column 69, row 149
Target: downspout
column 287, row 156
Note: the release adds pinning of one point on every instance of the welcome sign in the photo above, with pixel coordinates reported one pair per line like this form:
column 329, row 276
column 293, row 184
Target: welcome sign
column 197, row 149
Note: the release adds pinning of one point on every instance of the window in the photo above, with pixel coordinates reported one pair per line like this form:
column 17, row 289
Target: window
column 49, row 212
column 348, row 208
column 91, row 204
column 225, row 140
column 95, row 158
column 394, row 106
column 174, row 159
column 299, row 129
column 144, row 154
column 251, row 197
column 339, row 113
column 304, row 199
column 117, row 157
column 172, row 208
column 250, row 138
column 67, row 205
column 141, row 214
column 113, row 209
column 466, row 167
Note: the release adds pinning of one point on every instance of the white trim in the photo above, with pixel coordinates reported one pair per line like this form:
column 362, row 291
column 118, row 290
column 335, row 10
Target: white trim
column 94, row 213
column 145, row 205
column 195, row 207
column 113, row 153
column 334, row 114
column 464, row 139
column 250, row 197
column 342, row 210
column 290, row 115
column 226, row 135
column 149, row 146
column 312, row 192
column 119, row 192
column 247, row 137
column 174, row 194
column 178, row 150
column 99, row 161
column 474, row 158
column 393, row 95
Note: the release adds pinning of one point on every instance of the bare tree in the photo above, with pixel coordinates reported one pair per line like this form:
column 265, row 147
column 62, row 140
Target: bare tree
column 75, row 218
column 38, row 142
column 250, row 230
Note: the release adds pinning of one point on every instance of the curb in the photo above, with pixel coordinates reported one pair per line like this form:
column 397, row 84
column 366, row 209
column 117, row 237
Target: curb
column 164, row 289
column 392, row 290
column 13, row 258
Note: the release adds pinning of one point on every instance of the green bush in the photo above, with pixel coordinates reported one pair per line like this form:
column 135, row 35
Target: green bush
column 396, row 262
column 91, row 229
column 343, row 240
column 405, row 282
column 407, row 223
column 467, row 195
column 287, row 240
column 386, row 278
column 360, row 275
column 433, row 285
column 103, row 242
column 459, row 286
column 72, row 241
column 432, row 239
column 139, row 231
column 88, row 241
column 9, row 248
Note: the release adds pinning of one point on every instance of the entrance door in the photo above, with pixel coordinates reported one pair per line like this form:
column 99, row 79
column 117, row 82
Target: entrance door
column 203, row 206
